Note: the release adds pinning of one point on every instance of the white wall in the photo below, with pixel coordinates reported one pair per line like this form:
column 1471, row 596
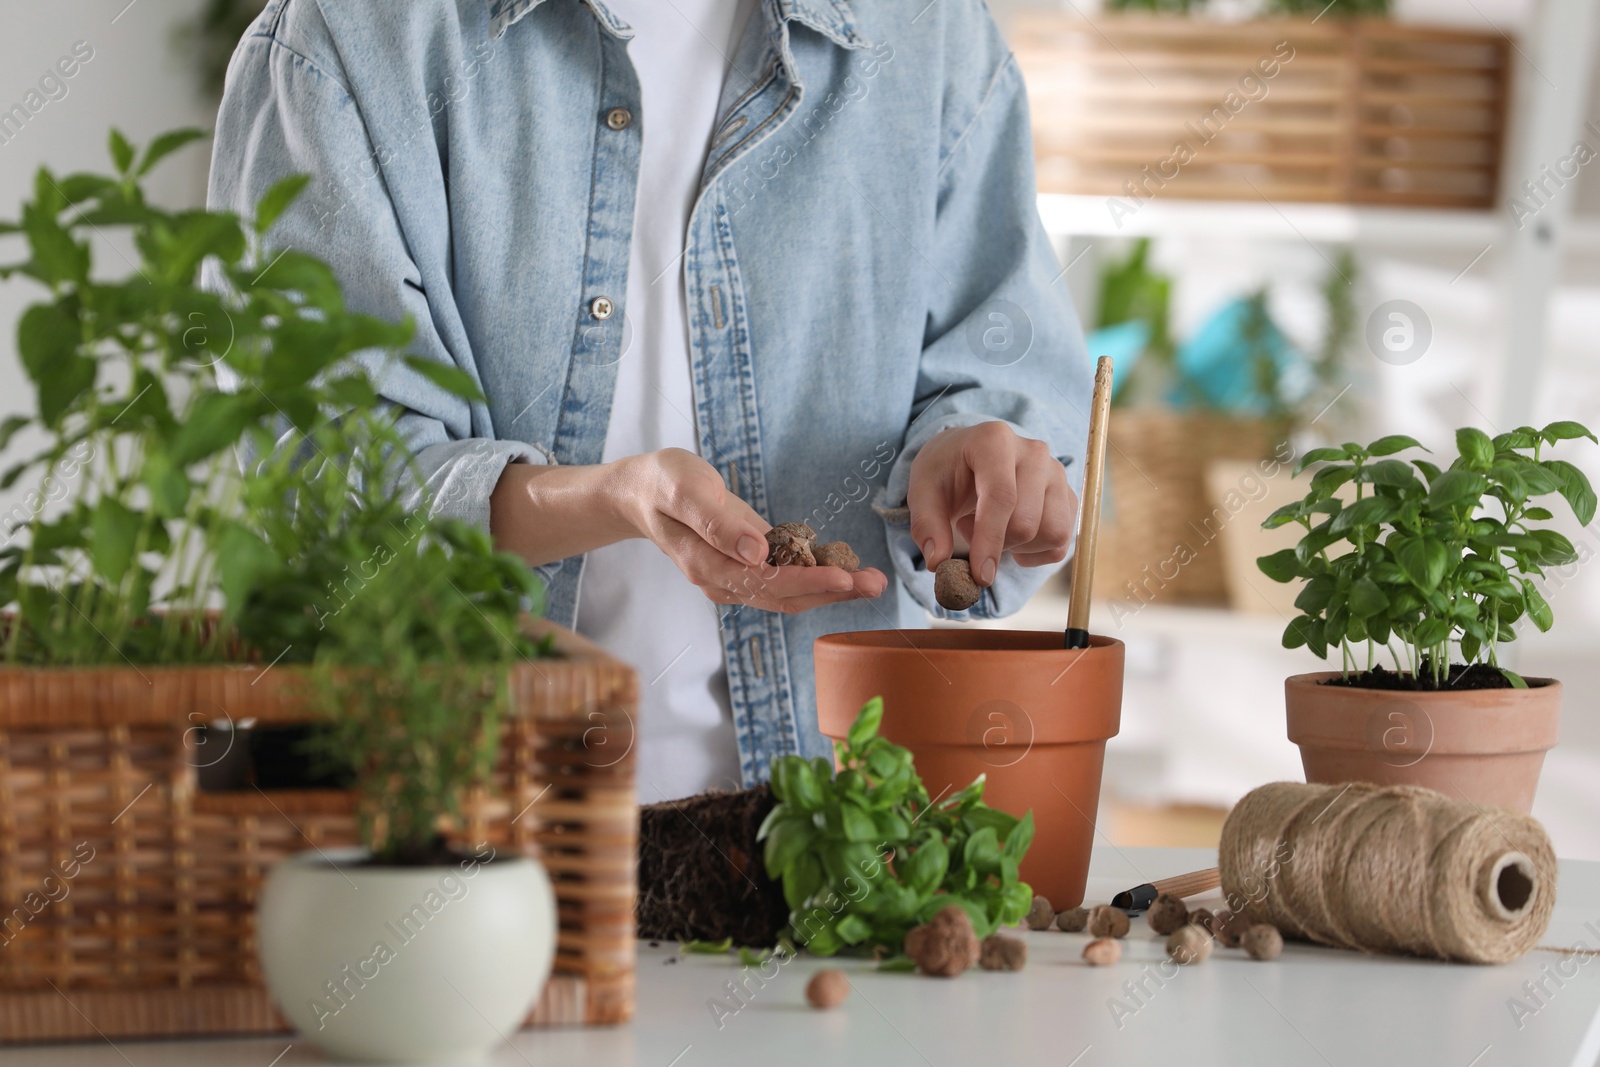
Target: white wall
column 138, row 80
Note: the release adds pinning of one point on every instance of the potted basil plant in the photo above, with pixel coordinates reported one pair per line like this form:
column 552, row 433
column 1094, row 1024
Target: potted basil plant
column 1437, row 567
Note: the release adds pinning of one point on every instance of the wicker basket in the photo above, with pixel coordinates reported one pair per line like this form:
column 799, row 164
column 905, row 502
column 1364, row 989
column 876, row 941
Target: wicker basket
column 1159, row 542
column 153, row 935
column 1365, row 111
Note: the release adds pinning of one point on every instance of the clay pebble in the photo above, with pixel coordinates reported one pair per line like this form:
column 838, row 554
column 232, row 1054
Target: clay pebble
column 1166, row 914
column 837, row 554
column 953, row 586
column 1106, row 921
column 827, row 989
column 945, row 945
column 1262, row 941
column 1189, row 944
column 789, row 544
column 1073, row 921
column 1002, row 953
column 1102, row 952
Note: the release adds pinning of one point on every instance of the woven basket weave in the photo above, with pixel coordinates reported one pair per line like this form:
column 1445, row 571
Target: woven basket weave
column 1158, row 504
column 155, row 934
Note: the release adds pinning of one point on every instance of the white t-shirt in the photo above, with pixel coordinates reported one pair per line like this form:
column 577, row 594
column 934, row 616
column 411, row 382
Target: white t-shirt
column 634, row 602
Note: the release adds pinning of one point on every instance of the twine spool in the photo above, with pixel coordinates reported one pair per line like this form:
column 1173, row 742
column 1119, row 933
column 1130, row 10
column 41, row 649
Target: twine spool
column 1399, row 870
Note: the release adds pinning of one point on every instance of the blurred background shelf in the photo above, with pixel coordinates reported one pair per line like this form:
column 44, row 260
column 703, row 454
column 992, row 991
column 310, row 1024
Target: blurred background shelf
column 1069, row 215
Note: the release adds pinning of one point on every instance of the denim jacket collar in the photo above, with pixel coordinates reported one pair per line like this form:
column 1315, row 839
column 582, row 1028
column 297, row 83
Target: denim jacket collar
column 834, row 19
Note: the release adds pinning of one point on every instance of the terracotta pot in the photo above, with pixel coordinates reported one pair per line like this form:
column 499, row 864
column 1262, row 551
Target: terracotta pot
column 1013, row 705
column 1484, row 745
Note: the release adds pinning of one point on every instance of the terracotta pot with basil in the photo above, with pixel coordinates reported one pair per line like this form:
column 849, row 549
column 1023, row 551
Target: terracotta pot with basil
column 1012, row 708
column 1414, row 586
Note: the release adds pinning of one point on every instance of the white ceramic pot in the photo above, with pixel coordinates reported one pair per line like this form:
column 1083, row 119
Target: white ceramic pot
column 405, row 963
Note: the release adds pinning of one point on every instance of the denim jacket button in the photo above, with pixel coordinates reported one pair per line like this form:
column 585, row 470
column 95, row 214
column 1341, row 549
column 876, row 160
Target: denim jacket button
column 601, row 307
column 618, row 118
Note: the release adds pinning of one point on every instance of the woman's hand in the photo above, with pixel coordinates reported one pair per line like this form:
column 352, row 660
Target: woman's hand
column 1001, row 492
column 678, row 501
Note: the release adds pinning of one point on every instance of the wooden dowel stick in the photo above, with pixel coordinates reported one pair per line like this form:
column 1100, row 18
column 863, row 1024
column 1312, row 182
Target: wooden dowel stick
column 1179, row 885
column 1089, row 514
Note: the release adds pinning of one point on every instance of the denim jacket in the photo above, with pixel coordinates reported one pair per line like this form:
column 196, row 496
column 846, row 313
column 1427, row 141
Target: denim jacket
column 865, row 265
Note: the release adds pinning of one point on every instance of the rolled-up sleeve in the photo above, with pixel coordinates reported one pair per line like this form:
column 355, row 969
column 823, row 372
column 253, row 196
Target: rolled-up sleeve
column 1002, row 342
column 287, row 110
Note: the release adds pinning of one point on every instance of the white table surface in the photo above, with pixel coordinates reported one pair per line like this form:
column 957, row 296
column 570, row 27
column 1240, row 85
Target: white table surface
column 1311, row 1006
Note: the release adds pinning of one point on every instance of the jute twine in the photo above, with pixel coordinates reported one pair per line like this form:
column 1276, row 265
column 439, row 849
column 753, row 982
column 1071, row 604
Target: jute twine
column 1400, row 870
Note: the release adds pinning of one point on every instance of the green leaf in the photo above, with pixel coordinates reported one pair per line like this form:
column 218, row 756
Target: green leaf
column 897, row 965
column 1454, row 488
column 1516, row 680
column 244, row 561
column 114, row 530
column 163, row 146
column 293, row 271
column 1538, row 608
column 1281, row 566
column 1315, row 595
column 925, row 869
column 1294, row 635
column 1396, row 442
column 1283, row 516
column 1018, row 840
column 1389, row 472
column 1423, row 559
column 1431, row 632
column 1470, row 646
column 1565, row 431
column 803, row 880
column 276, row 199
column 121, row 151
column 47, row 336
column 803, row 787
column 785, row 840
column 858, row 825
column 57, row 258
column 1368, row 512
column 1475, row 446
column 75, row 188
column 216, row 421
column 1575, row 488
column 1538, row 478
column 866, row 724
column 47, row 342
column 707, row 948
column 1320, row 455
column 1328, row 479
column 853, row 929
column 982, row 851
column 169, row 487
column 1554, row 548
column 450, row 378
column 10, row 427
column 1366, row 598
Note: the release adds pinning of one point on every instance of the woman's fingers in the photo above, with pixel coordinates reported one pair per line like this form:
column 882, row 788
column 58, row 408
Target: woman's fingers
column 765, row 586
column 693, row 494
column 1058, row 518
column 994, row 476
column 929, row 500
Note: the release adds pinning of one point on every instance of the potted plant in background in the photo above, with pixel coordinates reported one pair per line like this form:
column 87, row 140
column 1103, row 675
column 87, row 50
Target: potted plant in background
column 149, row 575
column 407, row 949
column 1433, row 558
